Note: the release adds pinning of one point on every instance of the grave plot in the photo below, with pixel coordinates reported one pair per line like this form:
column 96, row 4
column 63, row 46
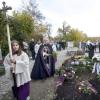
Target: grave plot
column 75, row 80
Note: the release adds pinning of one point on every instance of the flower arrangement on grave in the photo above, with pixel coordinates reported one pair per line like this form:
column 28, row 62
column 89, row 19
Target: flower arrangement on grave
column 68, row 73
column 85, row 87
column 77, row 60
column 98, row 77
column 81, row 64
column 65, row 74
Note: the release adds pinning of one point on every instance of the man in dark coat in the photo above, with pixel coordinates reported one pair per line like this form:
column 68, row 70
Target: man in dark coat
column 91, row 50
column 99, row 46
column 31, row 46
column 44, row 65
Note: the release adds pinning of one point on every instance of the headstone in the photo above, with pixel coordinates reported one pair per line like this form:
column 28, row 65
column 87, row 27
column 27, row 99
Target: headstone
column 70, row 50
column 70, row 45
column 80, row 45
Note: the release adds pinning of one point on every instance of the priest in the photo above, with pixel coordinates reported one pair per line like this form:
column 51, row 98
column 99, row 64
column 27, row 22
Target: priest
column 44, row 65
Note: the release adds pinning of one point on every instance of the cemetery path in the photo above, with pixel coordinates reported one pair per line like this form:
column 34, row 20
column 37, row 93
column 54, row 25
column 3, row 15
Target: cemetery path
column 40, row 90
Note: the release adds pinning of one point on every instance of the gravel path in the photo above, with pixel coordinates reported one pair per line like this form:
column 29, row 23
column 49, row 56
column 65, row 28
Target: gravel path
column 5, row 83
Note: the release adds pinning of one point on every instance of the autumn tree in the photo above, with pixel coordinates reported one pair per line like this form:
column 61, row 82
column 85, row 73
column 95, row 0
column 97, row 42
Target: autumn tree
column 31, row 7
column 75, row 35
column 2, row 27
column 3, row 35
column 21, row 25
column 65, row 28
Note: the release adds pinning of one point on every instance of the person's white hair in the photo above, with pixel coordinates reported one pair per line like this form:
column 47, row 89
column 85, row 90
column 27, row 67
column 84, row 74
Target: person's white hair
column 32, row 39
column 45, row 37
column 88, row 42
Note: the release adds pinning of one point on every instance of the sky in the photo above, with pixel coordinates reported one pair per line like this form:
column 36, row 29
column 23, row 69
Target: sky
column 81, row 14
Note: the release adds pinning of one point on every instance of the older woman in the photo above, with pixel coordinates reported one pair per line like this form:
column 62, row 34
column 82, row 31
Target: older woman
column 18, row 68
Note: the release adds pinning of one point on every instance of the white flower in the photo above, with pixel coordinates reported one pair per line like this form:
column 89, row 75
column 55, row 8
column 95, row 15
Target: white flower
column 97, row 56
column 77, row 62
column 72, row 63
column 65, row 75
column 79, row 88
column 73, row 71
column 84, row 63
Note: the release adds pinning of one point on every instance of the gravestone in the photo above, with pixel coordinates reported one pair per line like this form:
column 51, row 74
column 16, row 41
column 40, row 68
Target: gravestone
column 70, row 50
column 80, row 45
column 70, row 44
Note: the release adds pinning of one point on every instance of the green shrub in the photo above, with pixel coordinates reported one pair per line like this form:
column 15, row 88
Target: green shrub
column 55, row 54
column 79, row 70
column 4, row 48
column 2, row 71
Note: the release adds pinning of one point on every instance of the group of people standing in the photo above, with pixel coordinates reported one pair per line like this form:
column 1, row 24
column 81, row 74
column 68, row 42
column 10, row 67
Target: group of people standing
column 92, row 47
column 17, row 67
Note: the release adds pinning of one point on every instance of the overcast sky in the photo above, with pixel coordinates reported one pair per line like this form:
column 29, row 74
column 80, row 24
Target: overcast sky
column 81, row 14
